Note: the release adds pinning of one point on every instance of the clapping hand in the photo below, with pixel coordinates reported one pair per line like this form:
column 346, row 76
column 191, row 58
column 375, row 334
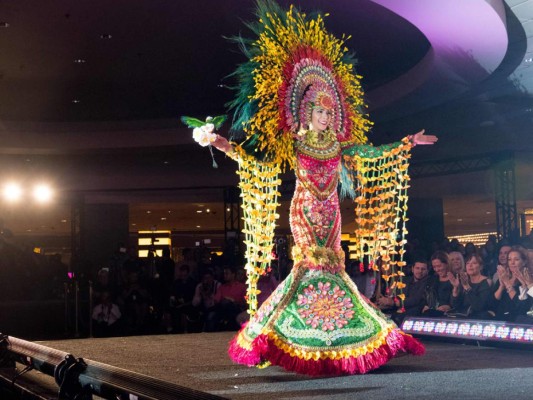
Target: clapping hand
column 524, row 277
column 454, row 280
column 463, row 277
column 528, row 278
column 503, row 275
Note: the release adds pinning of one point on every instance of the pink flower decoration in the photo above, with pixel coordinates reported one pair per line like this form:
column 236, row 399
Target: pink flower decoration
column 324, row 307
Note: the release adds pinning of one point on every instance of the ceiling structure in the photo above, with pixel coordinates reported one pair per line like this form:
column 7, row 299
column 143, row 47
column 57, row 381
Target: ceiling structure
column 91, row 92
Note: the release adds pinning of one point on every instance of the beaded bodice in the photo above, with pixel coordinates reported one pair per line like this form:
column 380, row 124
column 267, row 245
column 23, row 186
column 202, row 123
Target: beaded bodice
column 317, row 165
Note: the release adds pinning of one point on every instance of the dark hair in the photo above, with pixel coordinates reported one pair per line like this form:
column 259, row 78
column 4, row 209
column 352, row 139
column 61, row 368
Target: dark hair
column 478, row 258
column 441, row 256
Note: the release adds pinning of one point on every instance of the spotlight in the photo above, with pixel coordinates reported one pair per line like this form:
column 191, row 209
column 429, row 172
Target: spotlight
column 12, row 192
column 42, row 193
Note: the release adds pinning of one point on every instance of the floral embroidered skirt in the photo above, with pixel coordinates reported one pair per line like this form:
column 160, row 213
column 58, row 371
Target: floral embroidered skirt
column 317, row 323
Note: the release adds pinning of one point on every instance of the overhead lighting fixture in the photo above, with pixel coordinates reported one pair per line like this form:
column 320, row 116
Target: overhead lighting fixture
column 163, row 218
column 42, row 193
column 198, row 226
column 12, row 192
column 199, row 211
column 207, row 210
column 459, row 220
column 488, row 212
column 148, row 212
column 105, row 36
column 79, row 61
column 4, row 25
column 64, row 221
column 75, row 101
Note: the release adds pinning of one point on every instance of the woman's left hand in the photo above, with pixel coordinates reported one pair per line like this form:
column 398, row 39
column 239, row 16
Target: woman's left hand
column 420, row 138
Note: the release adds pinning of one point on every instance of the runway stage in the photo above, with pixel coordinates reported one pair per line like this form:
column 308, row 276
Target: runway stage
column 199, row 361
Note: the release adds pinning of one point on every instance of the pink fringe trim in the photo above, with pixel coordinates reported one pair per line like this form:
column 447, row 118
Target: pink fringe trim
column 264, row 349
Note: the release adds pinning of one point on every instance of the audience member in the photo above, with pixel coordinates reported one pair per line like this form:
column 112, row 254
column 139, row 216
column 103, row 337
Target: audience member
column 106, row 316
column 502, row 261
column 439, row 295
column 415, row 294
column 470, row 248
column 187, row 258
column 179, row 302
column 510, row 304
column 204, row 298
column 229, row 302
column 457, row 262
column 135, row 301
column 471, row 295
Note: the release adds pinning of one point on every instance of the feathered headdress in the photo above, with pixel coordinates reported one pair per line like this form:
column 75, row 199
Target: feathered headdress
column 292, row 55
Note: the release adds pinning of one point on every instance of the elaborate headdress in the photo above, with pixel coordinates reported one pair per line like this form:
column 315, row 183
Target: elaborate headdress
column 293, row 60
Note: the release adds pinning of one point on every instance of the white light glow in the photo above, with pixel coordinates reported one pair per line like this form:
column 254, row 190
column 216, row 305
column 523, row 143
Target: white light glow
column 42, row 193
column 12, row 192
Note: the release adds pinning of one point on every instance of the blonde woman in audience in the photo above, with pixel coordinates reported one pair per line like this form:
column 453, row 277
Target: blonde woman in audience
column 457, row 262
column 471, row 294
column 511, row 296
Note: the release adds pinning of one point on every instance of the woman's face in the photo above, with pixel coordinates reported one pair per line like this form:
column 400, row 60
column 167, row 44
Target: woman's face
column 439, row 267
column 515, row 261
column 456, row 263
column 473, row 267
column 320, row 118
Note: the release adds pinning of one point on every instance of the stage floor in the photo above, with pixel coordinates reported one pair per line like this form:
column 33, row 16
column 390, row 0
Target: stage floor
column 199, row 361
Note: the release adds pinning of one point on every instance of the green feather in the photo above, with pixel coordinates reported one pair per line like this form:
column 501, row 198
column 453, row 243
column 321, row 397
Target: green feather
column 218, row 121
column 192, row 122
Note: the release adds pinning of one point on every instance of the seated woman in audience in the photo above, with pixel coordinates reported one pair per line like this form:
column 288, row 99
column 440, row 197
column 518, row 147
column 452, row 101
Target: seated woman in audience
column 457, row 262
column 524, row 276
column 510, row 297
column 439, row 295
column 472, row 294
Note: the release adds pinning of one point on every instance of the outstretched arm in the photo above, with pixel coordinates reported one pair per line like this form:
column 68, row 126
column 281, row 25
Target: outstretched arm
column 370, row 151
column 422, row 139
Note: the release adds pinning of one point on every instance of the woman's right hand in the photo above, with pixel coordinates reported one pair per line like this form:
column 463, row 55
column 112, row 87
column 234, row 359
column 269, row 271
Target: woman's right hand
column 222, row 144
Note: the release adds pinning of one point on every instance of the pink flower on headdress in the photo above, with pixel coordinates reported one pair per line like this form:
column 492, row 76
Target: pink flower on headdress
column 325, row 101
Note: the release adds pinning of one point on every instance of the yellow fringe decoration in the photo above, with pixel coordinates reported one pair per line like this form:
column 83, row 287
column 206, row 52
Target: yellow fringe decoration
column 259, row 191
column 380, row 213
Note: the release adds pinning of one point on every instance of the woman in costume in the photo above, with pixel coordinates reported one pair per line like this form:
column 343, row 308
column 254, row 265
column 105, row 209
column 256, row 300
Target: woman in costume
column 316, row 322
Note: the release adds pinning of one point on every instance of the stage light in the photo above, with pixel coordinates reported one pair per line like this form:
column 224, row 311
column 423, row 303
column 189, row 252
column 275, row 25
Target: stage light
column 12, row 192
column 469, row 329
column 42, row 193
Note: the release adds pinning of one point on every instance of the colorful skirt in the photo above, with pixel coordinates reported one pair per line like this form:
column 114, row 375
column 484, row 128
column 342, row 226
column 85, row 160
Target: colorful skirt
column 317, row 323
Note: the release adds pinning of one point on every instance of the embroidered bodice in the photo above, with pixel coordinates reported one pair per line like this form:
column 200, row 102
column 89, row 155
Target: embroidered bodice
column 317, row 166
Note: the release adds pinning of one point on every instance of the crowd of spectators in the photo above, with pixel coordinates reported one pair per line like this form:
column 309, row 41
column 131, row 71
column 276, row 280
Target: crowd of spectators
column 158, row 295
column 490, row 282
column 200, row 292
